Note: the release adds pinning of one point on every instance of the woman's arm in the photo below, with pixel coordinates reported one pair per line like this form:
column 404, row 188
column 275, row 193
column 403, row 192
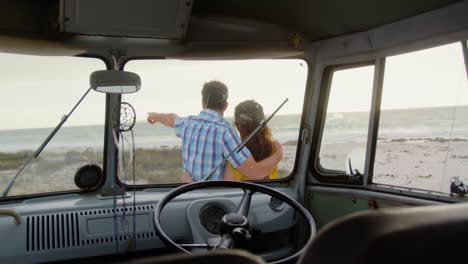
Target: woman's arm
column 259, row 170
column 228, row 176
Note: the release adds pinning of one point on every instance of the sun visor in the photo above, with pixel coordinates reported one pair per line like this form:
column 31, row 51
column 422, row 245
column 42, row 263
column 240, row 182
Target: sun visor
column 165, row 19
column 29, row 46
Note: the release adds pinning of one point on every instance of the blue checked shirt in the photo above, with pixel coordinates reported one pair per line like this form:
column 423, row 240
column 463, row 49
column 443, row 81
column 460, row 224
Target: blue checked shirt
column 206, row 140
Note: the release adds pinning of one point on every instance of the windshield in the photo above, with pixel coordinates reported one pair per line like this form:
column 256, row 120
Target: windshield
column 36, row 92
column 175, row 86
column 40, row 91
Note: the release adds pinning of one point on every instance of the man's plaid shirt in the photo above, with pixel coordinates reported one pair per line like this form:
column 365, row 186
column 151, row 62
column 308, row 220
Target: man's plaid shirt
column 206, row 140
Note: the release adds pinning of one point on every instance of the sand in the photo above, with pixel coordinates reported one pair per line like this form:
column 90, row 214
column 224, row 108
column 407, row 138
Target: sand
column 289, row 157
column 425, row 164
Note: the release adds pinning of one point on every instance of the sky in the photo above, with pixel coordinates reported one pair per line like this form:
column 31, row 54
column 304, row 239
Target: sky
column 177, row 87
column 428, row 78
column 38, row 91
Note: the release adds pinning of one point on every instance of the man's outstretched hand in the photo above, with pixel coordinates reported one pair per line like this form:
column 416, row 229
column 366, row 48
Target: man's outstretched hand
column 152, row 117
column 167, row 119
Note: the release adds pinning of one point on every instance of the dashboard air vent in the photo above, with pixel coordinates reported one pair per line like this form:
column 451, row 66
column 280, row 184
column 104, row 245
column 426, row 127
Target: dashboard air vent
column 45, row 232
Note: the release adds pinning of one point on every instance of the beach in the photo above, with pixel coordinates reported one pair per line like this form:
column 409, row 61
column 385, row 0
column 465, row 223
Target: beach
column 416, row 149
column 410, row 163
column 425, row 164
column 55, row 170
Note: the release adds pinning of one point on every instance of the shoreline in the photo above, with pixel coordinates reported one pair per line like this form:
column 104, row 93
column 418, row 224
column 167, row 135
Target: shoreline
column 423, row 163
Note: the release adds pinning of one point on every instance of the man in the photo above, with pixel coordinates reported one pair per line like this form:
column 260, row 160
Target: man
column 208, row 138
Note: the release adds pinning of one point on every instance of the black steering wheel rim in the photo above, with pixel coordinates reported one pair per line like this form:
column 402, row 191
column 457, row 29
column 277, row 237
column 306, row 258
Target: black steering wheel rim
column 233, row 184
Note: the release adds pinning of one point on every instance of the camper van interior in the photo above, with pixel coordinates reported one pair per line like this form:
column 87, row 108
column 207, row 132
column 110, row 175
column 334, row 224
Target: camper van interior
column 364, row 106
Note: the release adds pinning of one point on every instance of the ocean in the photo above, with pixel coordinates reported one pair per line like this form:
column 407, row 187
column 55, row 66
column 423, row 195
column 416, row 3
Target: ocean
column 440, row 122
column 418, row 123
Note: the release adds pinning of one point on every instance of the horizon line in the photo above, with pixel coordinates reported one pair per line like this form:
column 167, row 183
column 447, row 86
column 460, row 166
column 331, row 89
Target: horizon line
column 337, row 112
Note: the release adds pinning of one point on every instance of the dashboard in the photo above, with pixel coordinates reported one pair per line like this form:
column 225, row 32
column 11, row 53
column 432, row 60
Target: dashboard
column 86, row 225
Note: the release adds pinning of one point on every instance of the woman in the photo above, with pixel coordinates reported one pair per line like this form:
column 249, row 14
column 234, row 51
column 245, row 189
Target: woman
column 247, row 117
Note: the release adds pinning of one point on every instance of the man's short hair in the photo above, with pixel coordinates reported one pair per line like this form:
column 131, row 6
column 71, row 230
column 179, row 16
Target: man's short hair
column 214, row 95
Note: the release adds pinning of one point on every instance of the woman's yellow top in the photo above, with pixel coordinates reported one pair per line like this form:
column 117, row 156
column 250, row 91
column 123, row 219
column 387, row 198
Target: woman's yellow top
column 238, row 176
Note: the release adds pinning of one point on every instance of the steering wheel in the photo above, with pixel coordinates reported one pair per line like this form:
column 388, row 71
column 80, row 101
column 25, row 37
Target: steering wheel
column 234, row 225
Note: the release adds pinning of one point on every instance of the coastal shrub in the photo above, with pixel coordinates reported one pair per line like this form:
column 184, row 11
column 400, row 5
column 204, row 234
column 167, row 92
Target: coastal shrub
column 156, row 165
column 10, row 161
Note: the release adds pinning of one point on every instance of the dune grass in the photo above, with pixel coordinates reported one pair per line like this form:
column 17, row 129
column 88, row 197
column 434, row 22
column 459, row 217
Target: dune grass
column 156, row 165
column 55, row 171
column 9, row 161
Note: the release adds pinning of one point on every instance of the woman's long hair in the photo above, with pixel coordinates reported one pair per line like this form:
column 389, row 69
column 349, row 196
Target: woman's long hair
column 247, row 117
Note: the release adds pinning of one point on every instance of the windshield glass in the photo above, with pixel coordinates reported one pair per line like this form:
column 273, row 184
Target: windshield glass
column 36, row 92
column 175, row 86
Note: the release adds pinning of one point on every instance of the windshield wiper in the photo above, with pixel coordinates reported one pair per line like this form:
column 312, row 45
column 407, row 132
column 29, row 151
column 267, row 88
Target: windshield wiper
column 42, row 146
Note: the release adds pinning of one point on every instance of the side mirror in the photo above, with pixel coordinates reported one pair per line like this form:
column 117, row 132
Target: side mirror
column 116, row 82
column 355, row 162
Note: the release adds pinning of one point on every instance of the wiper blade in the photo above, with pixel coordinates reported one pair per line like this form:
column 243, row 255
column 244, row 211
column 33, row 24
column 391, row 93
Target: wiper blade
column 43, row 145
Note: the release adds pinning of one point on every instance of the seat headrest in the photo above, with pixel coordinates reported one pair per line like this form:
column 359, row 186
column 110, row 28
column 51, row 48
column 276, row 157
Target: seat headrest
column 395, row 235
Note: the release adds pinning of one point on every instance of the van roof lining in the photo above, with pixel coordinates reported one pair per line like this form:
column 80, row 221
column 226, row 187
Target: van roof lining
column 30, row 46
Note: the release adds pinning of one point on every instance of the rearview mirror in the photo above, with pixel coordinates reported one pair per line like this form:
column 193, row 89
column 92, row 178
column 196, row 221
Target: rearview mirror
column 116, row 82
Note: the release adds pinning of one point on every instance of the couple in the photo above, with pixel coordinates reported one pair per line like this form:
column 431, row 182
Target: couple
column 207, row 138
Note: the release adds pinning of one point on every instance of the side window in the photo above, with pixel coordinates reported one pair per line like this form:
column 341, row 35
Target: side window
column 347, row 118
column 174, row 86
column 423, row 130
